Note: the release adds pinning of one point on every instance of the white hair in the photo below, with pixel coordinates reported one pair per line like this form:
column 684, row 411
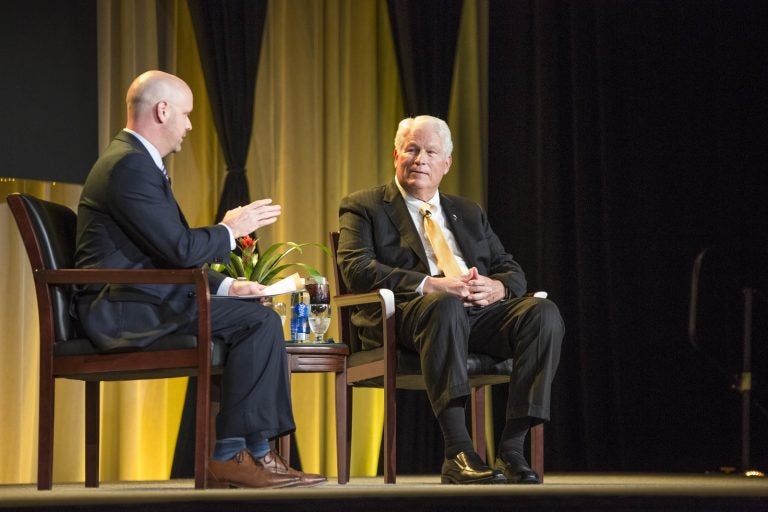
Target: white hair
column 441, row 128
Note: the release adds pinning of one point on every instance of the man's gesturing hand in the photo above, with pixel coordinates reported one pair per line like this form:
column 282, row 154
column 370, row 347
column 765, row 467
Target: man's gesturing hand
column 244, row 220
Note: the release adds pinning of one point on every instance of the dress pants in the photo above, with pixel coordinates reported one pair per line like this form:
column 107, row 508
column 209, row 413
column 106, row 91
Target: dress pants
column 527, row 329
column 255, row 386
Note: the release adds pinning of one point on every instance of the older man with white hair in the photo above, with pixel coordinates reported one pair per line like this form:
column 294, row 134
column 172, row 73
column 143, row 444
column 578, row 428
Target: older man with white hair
column 457, row 290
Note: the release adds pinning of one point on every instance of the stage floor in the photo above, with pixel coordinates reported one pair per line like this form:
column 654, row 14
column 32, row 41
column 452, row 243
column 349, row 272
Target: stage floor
column 617, row 491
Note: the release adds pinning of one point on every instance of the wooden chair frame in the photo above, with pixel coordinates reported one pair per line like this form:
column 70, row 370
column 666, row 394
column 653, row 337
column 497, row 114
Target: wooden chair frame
column 362, row 369
column 95, row 368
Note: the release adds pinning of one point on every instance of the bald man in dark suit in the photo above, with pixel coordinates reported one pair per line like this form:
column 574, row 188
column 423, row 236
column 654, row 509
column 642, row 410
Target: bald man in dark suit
column 479, row 307
column 129, row 218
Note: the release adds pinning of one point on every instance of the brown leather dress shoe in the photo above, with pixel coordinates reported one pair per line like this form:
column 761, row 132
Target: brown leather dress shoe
column 278, row 465
column 243, row 470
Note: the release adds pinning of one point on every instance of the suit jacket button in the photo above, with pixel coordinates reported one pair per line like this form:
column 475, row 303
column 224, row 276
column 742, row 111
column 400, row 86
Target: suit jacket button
column 191, row 294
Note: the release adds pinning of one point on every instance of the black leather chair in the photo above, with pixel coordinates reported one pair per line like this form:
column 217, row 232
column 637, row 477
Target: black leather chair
column 391, row 368
column 48, row 232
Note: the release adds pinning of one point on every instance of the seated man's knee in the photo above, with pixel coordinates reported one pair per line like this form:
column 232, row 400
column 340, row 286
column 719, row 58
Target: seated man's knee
column 442, row 303
column 548, row 313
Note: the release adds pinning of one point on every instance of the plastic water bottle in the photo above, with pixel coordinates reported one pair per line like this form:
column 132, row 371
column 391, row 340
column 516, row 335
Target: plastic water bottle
column 300, row 316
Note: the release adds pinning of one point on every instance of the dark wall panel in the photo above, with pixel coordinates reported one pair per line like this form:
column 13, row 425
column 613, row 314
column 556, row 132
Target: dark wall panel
column 624, row 138
column 48, row 97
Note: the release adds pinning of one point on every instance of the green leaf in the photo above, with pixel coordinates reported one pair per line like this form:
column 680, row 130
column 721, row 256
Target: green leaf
column 269, row 265
column 237, row 265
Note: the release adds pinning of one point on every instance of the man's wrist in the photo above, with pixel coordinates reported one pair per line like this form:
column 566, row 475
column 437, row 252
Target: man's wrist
column 224, row 286
column 232, row 243
column 420, row 288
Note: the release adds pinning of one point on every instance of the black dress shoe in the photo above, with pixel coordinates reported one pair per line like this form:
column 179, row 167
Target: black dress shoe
column 469, row 468
column 517, row 472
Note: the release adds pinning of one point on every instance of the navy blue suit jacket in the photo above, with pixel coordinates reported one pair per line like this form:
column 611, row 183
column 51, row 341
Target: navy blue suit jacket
column 128, row 218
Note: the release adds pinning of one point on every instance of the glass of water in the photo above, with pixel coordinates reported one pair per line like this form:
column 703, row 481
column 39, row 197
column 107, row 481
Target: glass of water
column 319, row 306
column 279, row 308
column 319, row 320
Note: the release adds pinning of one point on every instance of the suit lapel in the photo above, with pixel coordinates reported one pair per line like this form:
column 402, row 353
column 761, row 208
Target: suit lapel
column 397, row 211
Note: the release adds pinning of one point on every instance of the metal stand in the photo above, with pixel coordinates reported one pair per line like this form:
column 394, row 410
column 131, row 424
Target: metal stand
column 745, row 386
column 744, row 383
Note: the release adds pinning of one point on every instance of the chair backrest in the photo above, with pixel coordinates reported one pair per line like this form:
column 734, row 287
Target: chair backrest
column 347, row 331
column 48, row 231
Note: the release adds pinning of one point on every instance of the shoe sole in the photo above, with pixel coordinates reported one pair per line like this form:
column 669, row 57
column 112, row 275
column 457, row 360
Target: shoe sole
column 224, row 484
column 491, row 480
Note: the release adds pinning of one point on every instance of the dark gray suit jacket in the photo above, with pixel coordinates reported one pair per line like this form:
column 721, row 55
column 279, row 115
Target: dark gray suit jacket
column 128, row 218
column 379, row 247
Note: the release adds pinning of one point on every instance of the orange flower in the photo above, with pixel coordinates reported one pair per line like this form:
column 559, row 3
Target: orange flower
column 246, row 242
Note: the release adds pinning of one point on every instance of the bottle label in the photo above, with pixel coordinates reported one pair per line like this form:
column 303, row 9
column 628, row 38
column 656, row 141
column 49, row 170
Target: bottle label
column 300, row 322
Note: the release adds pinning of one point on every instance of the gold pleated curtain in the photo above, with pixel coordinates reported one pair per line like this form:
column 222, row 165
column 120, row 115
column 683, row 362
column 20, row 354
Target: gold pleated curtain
column 327, row 103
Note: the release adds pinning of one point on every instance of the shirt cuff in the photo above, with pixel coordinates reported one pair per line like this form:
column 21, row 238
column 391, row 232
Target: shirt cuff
column 420, row 288
column 224, row 286
column 231, row 236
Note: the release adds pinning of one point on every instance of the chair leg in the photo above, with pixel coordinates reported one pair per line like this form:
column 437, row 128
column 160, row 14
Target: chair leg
column 202, row 423
column 348, row 430
column 390, row 433
column 537, row 450
column 45, row 432
column 92, row 418
column 283, row 443
column 342, row 457
column 215, row 408
column 478, row 420
column 284, row 446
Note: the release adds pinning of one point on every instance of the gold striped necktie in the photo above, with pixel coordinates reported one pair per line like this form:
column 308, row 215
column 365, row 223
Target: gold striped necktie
column 446, row 261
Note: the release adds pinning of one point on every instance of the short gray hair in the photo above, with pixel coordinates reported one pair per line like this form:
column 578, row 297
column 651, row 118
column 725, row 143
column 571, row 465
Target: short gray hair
column 441, row 128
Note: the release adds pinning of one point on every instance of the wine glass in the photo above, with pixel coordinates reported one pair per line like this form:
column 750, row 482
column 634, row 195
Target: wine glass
column 319, row 306
column 319, row 320
column 279, row 308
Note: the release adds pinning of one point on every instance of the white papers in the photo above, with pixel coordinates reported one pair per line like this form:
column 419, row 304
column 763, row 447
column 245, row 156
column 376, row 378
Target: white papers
column 286, row 285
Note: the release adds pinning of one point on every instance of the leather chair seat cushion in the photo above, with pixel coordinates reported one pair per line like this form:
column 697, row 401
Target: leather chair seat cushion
column 84, row 347
column 480, row 367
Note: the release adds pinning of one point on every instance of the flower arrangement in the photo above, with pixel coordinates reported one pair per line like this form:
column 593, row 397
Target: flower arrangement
column 265, row 268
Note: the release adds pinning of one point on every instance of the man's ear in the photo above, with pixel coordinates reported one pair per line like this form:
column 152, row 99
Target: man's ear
column 161, row 111
column 394, row 157
column 448, row 161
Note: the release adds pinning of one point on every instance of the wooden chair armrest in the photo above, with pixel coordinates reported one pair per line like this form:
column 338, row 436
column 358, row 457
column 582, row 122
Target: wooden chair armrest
column 383, row 296
column 196, row 276
column 121, row 276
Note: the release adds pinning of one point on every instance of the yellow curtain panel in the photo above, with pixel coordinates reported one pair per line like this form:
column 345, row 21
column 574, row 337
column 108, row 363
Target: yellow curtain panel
column 327, row 102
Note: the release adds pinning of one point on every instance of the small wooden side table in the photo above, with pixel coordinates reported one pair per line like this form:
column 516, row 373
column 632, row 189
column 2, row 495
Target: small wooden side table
column 319, row 358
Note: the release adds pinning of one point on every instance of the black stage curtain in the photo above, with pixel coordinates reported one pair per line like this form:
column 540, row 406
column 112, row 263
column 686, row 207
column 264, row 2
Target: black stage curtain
column 425, row 35
column 624, row 138
column 229, row 38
